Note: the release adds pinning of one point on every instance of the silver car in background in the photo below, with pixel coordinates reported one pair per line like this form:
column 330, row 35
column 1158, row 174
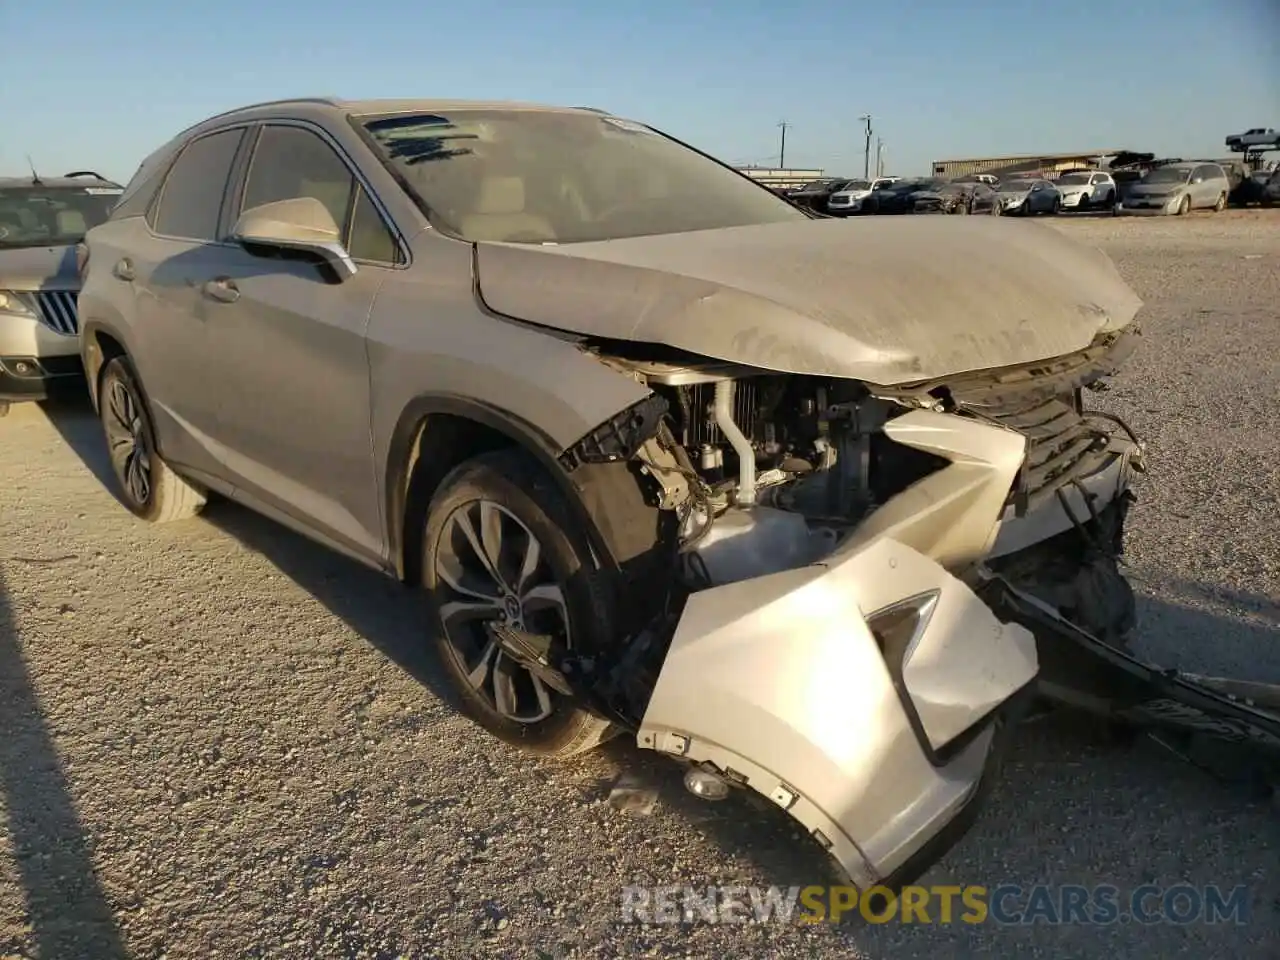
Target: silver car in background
column 1027, row 197
column 1179, row 188
column 41, row 221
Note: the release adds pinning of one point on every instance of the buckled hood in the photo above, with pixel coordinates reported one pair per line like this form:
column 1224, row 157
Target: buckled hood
column 882, row 301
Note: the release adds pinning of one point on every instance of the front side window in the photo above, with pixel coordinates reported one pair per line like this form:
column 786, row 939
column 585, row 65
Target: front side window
column 290, row 162
column 191, row 198
column 561, row 177
column 52, row 216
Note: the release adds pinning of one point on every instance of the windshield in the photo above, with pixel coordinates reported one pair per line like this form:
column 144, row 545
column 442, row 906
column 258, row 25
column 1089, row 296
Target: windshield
column 1074, row 178
column 1168, row 175
column 524, row 176
column 814, row 186
column 856, row 185
column 1016, row 186
column 42, row 216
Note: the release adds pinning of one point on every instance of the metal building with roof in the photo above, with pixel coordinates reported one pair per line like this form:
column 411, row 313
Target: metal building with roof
column 1040, row 164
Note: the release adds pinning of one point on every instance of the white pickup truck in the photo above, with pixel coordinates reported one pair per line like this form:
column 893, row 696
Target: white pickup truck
column 849, row 200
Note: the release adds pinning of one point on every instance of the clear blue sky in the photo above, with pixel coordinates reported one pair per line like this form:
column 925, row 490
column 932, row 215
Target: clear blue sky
column 101, row 84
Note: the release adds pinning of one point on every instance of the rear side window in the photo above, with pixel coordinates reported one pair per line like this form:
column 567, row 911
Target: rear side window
column 191, row 199
column 142, row 187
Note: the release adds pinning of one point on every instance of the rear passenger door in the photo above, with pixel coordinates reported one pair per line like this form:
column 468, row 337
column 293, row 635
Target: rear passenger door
column 294, row 427
column 170, row 341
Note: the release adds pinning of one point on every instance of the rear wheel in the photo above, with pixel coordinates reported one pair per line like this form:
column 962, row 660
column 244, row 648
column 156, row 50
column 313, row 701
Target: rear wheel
column 500, row 546
column 1221, row 204
column 147, row 485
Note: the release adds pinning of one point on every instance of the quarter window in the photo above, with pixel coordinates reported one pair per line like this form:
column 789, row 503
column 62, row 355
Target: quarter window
column 290, row 162
column 191, row 199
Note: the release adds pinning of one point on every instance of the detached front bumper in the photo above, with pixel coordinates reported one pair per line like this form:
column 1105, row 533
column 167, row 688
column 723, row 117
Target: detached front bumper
column 877, row 742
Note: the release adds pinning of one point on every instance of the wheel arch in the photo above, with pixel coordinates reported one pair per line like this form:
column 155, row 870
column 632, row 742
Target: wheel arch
column 100, row 345
column 437, row 432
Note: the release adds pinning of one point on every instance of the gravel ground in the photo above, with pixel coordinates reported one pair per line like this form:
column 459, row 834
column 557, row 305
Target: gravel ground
column 219, row 740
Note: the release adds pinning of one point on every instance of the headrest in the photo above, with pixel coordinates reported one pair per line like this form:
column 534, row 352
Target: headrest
column 501, row 195
column 71, row 221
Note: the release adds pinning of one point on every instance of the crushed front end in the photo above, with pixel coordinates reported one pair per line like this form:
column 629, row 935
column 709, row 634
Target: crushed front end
column 824, row 639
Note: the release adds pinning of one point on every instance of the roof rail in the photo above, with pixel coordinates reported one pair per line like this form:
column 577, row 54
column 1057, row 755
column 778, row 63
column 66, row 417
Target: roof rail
column 86, row 173
column 326, row 101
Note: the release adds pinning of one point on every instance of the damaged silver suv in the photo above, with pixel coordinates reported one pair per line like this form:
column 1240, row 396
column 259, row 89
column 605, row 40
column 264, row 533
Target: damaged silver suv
column 668, row 455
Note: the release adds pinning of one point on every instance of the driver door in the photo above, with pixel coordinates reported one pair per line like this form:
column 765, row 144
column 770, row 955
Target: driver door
column 293, row 414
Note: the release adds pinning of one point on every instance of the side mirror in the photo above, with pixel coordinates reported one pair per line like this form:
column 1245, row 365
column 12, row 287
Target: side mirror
column 302, row 224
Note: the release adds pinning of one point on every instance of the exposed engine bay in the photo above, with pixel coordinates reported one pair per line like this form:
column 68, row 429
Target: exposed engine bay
column 767, row 472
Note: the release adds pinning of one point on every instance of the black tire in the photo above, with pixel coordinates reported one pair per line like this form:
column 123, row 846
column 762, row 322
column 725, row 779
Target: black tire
column 527, row 501
column 161, row 496
column 1221, row 204
column 1184, row 205
column 1056, row 208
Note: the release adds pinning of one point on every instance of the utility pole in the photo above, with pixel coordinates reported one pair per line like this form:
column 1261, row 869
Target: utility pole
column 782, row 151
column 866, row 153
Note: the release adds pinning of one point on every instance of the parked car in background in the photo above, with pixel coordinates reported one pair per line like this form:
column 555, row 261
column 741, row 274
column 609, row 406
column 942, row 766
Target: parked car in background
column 41, row 222
column 955, row 197
column 990, row 179
column 848, row 199
column 1179, row 188
column 1087, row 189
column 813, row 196
column 1124, row 181
column 1028, row 196
column 606, row 458
column 1254, row 138
column 896, row 197
column 1248, row 190
column 1271, row 192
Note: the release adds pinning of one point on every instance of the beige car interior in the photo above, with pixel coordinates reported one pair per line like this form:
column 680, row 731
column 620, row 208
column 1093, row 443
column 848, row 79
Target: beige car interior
column 499, row 213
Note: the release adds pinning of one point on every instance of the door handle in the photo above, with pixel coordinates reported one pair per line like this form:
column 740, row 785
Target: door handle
column 123, row 270
column 222, row 289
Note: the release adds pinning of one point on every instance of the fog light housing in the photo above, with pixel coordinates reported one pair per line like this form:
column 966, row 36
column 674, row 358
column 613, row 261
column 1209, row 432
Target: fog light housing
column 706, row 785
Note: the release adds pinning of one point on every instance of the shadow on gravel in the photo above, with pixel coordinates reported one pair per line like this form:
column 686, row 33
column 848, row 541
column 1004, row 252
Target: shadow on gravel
column 1063, row 783
column 67, row 914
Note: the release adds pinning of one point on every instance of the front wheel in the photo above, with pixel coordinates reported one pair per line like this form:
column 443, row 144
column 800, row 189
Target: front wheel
column 500, row 546
column 1056, row 207
column 147, row 485
column 1184, row 205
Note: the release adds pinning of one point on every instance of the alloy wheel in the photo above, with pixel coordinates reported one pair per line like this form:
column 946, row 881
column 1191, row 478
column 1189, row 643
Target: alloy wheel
column 127, row 441
column 491, row 568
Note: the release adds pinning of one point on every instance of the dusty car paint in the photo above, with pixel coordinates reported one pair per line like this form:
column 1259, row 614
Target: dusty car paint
column 887, row 301
column 341, row 382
